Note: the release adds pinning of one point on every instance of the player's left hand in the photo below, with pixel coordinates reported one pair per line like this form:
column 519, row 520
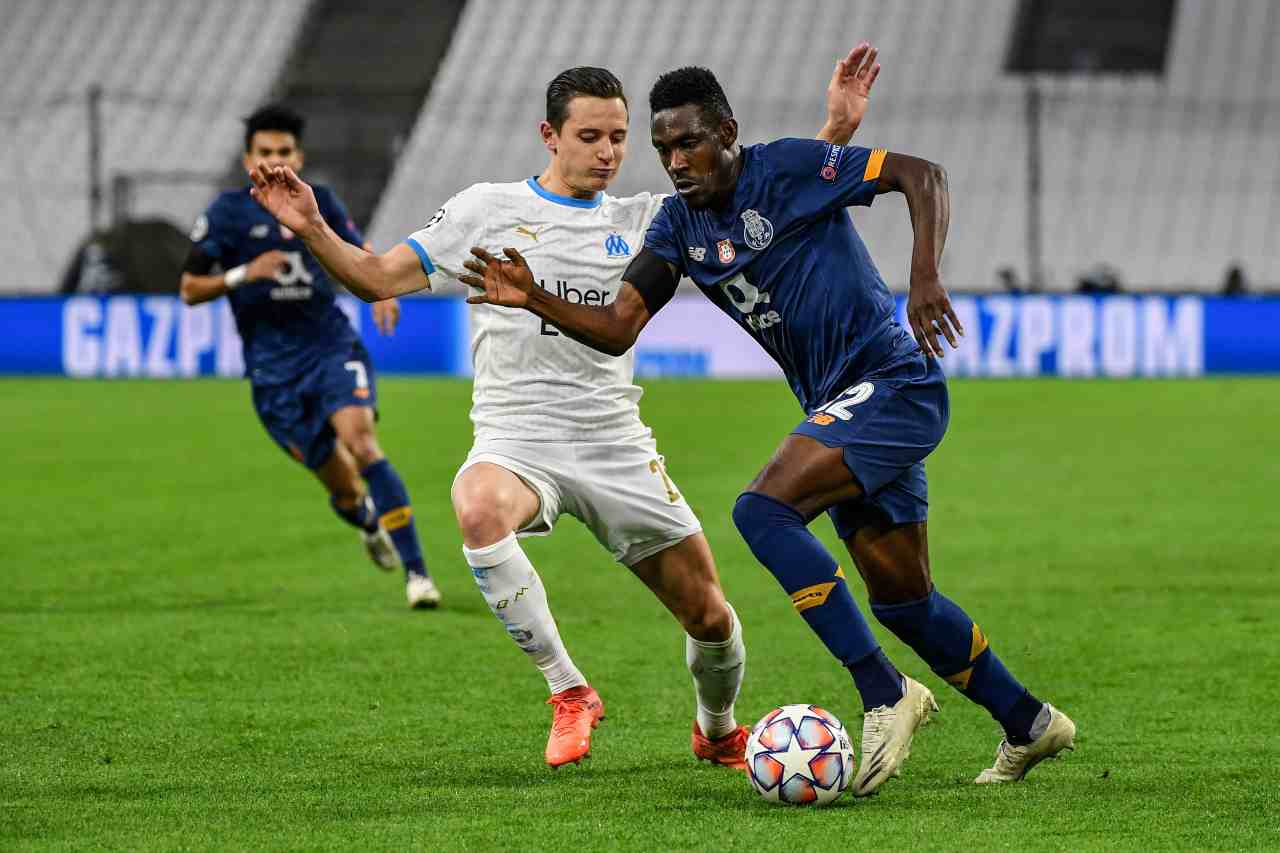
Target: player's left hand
column 850, row 87
column 931, row 316
column 386, row 316
column 507, row 283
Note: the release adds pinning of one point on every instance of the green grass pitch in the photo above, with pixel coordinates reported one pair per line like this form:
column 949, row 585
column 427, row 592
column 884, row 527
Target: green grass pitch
column 194, row 654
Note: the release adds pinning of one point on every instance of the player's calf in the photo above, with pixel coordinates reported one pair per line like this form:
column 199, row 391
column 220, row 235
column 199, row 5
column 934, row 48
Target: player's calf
column 955, row 648
column 779, row 538
column 514, row 592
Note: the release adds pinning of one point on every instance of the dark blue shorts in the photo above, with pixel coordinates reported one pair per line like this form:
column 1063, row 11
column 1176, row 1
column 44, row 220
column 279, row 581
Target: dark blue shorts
column 297, row 414
column 887, row 423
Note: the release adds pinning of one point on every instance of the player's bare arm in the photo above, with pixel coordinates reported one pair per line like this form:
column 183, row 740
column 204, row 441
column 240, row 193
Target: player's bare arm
column 928, row 308
column 195, row 289
column 386, row 314
column 611, row 328
column 371, row 277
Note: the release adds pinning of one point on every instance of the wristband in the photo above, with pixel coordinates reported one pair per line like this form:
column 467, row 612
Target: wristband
column 235, row 276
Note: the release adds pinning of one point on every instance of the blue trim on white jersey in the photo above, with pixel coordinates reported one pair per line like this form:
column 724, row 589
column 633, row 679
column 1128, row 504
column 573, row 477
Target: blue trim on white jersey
column 423, row 257
column 566, row 200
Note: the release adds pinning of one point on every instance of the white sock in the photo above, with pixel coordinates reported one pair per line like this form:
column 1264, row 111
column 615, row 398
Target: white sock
column 717, row 676
column 515, row 594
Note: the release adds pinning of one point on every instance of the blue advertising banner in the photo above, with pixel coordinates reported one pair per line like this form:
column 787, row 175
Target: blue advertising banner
column 1008, row 335
column 159, row 337
column 1028, row 335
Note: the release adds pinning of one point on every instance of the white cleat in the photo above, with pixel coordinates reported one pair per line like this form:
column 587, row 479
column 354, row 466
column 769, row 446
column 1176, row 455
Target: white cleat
column 379, row 545
column 1014, row 762
column 421, row 592
column 887, row 734
column 381, row 550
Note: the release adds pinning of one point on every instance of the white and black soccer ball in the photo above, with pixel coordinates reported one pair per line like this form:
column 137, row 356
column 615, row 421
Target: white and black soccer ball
column 800, row 754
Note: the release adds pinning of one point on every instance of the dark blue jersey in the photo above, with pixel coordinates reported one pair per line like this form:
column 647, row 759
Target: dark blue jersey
column 784, row 261
column 287, row 323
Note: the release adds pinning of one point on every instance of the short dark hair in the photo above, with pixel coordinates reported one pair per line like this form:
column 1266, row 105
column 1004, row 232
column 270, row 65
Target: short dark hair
column 273, row 117
column 690, row 85
column 583, row 80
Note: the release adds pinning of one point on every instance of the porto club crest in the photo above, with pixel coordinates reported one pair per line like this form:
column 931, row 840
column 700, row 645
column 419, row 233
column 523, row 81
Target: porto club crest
column 759, row 231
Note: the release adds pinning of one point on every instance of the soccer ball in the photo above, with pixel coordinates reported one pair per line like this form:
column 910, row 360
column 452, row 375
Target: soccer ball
column 800, row 754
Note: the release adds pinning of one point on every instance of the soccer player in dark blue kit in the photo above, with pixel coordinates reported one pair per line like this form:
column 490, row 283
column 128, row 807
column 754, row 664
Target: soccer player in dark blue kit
column 763, row 232
column 312, row 379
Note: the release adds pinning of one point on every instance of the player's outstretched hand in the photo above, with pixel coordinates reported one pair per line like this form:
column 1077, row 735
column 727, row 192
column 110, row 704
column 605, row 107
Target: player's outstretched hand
column 850, row 86
column 386, row 316
column 931, row 316
column 285, row 196
column 506, row 282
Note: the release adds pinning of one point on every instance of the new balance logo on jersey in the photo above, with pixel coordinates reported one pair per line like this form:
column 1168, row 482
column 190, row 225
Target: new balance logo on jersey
column 531, row 233
column 697, row 254
column 615, row 246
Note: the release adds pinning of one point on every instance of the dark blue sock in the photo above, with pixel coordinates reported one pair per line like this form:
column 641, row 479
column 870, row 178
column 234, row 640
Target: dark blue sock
column 395, row 513
column 955, row 648
column 359, row 516
column 777, row 535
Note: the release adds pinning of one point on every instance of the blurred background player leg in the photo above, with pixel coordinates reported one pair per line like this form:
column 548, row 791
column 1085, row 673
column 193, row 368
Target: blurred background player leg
column 351, row 502
column 491, row 503
column 354, row 426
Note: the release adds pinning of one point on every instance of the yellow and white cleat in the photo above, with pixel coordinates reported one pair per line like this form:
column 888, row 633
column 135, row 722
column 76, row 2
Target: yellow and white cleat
column 887, row 734
column 1014, row 762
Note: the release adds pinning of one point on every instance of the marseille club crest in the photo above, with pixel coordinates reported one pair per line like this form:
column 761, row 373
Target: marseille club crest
column 759, row 231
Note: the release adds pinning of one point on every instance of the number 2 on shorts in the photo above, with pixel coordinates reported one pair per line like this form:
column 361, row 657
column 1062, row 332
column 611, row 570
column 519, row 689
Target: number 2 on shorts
column 849, row 397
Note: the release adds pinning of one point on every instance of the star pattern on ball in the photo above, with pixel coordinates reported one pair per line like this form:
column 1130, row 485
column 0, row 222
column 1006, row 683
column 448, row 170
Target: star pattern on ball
column 795, row 760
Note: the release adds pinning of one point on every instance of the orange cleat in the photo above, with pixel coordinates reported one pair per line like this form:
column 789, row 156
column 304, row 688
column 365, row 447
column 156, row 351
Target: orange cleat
column 575, row 713
column 727, row 751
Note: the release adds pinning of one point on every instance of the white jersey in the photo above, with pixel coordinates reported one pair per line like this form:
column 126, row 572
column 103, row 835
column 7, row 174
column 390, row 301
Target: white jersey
column 532, row 382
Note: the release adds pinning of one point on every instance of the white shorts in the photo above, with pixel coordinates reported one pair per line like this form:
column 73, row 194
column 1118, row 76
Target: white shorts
column 620, row 490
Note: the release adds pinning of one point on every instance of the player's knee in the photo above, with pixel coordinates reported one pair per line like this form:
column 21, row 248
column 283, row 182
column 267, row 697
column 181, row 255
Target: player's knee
column 711, row 621
column 482, row 516
column 363, row 445
column 754, row 514
column 896, row 583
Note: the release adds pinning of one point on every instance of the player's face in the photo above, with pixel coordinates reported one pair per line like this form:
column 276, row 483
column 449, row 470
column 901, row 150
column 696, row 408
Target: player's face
column 591, row 143
column 275, row 148
column 697, row 154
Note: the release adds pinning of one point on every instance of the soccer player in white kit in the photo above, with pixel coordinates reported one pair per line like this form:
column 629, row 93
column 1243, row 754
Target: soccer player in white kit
column 557, row 426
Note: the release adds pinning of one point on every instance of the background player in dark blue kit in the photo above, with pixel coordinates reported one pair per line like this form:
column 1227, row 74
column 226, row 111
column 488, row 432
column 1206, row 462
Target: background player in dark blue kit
column 762, row 230
column 313, row 383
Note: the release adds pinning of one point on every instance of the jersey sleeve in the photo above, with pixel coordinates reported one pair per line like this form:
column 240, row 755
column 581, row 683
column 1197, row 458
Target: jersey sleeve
column 212, row 235
column 444, row 243
column 335, row 213
column 663, row 240
column 822, row 175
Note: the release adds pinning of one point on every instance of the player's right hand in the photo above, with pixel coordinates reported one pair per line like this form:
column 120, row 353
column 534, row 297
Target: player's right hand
column 507, row 283
column 267, row 265
column 286, row 197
